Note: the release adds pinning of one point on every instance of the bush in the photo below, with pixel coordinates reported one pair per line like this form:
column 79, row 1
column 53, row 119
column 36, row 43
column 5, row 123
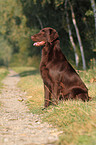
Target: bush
column 20, row 60
column 33, row 61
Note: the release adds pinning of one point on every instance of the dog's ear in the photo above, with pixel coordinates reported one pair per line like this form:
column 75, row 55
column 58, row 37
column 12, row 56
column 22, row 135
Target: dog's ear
column 52, row 35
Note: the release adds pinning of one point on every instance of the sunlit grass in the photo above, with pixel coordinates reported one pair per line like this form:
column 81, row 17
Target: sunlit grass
column 76, row 119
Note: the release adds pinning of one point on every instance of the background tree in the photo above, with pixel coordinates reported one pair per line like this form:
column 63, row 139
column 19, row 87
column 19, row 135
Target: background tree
column 94, row 11
column 70, row 35
column 78, row 35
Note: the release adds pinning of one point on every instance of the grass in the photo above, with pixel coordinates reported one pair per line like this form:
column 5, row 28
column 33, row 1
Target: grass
column 76, row 119
column 3, row 73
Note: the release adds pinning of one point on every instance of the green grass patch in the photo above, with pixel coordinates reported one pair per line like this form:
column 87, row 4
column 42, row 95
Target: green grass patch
column 76, row 119
column 3, row 74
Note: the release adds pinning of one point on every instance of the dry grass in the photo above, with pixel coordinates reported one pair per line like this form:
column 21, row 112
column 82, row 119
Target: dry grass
column 76, row 119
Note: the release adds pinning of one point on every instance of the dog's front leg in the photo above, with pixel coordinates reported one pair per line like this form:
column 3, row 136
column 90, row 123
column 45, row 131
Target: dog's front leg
column 48, row 85
column 55, row 96
column 47, row 96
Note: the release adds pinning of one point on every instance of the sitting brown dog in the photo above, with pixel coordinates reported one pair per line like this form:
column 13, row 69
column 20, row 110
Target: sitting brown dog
column 59, row 77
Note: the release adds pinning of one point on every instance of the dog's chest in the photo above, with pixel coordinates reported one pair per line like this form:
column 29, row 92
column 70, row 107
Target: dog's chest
column 54, row 71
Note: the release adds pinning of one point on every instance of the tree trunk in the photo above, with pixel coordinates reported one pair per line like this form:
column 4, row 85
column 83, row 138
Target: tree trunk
column 94, row 11
column 71, row 37
column 40, row 22
column 78, row 35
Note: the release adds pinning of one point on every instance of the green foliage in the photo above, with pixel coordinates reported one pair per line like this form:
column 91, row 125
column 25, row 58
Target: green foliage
column 89, row 13
column 5, row 52
column 16, row 60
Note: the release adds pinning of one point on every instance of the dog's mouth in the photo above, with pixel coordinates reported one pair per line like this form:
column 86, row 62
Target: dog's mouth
column 41, row 43
column 37, row 43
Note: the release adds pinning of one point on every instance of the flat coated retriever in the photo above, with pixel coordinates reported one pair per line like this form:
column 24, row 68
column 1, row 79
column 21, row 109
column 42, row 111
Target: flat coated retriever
column 60, row 79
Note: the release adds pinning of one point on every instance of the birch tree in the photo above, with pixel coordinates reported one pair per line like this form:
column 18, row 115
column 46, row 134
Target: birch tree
column 94, row 11
column 78, row 35
column 40, row 22
column 70, row 36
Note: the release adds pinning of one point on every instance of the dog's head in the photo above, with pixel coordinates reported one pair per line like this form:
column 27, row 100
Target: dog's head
column 45, row 35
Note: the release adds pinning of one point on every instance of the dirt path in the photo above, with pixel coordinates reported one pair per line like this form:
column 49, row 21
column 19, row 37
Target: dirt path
column 17, row 125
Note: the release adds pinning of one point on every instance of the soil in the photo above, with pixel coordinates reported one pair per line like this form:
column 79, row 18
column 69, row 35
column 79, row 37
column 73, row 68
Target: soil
column 17, row 125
